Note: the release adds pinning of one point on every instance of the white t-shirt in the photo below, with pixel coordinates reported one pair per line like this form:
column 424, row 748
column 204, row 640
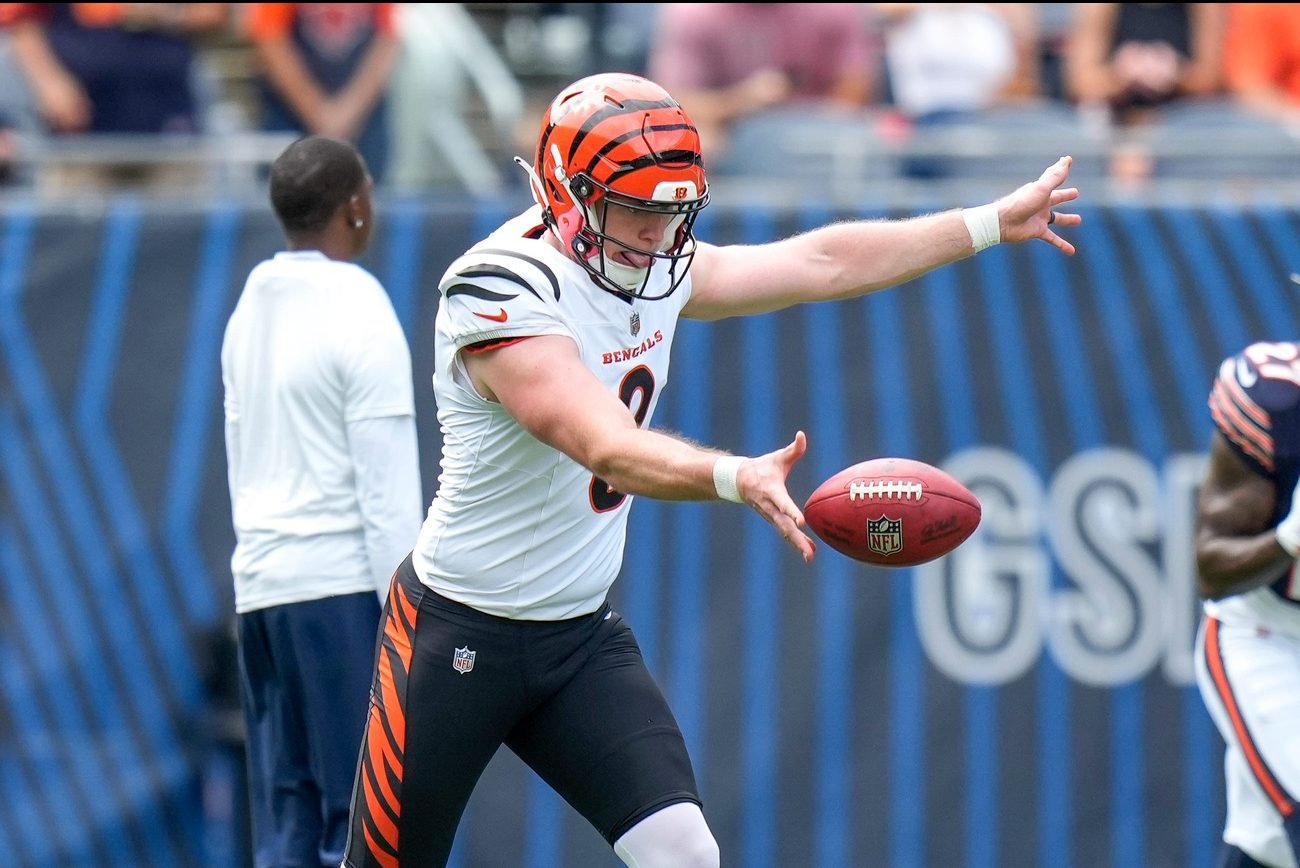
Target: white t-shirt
column 320, row 433
column 518, row 529
column 949, row 57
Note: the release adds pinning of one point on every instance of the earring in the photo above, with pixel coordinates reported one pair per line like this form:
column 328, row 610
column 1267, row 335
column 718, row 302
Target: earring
column 357, row 224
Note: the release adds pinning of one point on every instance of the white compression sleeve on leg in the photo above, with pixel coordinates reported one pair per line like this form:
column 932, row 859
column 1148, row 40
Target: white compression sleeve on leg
column 673, row 837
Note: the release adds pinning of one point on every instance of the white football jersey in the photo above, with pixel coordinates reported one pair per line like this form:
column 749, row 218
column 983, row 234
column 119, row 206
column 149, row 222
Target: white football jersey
column 312, row 346
column 518, row 529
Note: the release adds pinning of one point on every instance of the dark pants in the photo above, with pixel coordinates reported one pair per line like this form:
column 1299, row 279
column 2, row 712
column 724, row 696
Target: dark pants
column 305, row 680
column 573, row 699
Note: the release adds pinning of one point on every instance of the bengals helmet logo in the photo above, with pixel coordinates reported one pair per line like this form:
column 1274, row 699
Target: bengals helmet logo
column 679, row 193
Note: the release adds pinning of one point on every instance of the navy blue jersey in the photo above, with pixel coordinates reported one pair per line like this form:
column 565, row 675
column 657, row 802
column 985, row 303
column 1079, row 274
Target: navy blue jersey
column 1255, row 403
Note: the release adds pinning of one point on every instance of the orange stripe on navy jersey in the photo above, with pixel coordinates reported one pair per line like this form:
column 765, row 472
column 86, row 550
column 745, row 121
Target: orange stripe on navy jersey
column 1228, row 377
column 1277, row 794
column 1244, row 434
column 1243, row 422
column 382, row 760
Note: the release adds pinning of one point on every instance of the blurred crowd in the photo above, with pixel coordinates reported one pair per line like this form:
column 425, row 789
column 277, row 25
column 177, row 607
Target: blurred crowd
column 438, row 95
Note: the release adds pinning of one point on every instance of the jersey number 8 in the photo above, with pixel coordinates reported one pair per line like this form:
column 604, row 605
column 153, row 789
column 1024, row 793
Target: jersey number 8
column 638, row 385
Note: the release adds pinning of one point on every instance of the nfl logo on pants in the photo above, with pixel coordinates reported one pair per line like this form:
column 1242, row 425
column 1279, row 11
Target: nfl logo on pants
column 463, row 660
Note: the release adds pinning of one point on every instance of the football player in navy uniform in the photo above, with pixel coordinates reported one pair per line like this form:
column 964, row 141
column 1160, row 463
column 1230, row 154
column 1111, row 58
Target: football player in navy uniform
column 552, row 348
column 1248, row 647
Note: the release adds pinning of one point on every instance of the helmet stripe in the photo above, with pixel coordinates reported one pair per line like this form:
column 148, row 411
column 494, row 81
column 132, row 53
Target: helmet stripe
column 643, row 162
column 632, row 134
column 627, row 107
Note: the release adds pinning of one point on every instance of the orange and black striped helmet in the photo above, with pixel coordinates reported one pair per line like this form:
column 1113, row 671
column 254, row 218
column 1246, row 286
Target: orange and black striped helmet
column 619, row 139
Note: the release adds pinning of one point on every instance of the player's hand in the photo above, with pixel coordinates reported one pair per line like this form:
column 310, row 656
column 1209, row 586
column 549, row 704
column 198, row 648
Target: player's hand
column 1030, row 211
column 761, row 483
column 1288, row 529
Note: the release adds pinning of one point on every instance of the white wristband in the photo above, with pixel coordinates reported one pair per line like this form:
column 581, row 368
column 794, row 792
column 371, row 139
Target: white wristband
column 724, row 477
column 983, row 225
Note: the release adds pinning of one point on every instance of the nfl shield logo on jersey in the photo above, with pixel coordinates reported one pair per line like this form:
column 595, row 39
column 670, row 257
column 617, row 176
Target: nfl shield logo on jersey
column 463, row 660
column 885, row 535
column 635, row 324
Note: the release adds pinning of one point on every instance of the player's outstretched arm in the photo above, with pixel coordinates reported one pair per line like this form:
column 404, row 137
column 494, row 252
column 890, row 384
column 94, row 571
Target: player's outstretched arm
column 1236, row 547
column 544, row 385
column 844, row 260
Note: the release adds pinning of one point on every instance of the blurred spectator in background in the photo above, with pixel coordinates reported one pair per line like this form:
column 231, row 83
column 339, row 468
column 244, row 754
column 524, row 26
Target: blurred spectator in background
column 1055, row 24
column 727, row 62
column 1262, row 59
column 621, row 35
column 325, row 70
column 18, row 119
column 579, row 39
column 8, row 152
column 1128, row 59
column 1132, row 57
column 948, row 62
column 445, row 62
column 111, row 68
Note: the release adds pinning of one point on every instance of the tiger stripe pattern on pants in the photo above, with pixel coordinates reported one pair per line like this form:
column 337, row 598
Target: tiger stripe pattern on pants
column 383, row 751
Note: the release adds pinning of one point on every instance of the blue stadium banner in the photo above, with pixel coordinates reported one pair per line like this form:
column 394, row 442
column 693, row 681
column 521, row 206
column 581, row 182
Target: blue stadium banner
column 1026, row 701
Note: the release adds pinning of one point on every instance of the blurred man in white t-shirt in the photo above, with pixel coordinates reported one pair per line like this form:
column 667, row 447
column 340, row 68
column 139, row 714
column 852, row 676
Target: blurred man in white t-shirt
column 325, row 491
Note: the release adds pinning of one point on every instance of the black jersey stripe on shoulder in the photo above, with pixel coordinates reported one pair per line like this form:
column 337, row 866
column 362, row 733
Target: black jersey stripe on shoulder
column 489, row 270
column 478, row 292
column 536, row 263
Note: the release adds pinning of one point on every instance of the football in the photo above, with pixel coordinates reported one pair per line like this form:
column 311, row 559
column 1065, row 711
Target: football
column 892, row 512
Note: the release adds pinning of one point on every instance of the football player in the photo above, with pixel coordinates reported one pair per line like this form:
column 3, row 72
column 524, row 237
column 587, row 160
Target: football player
column 553, row 339
column 1248, row 647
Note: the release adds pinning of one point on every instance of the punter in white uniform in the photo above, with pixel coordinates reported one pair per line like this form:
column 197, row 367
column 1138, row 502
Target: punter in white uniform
column 1248, row 665
column 553, row 343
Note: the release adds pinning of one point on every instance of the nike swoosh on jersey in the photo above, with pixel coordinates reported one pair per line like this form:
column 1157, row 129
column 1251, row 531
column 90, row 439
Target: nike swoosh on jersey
column 1245, row 375
column 495, row 317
